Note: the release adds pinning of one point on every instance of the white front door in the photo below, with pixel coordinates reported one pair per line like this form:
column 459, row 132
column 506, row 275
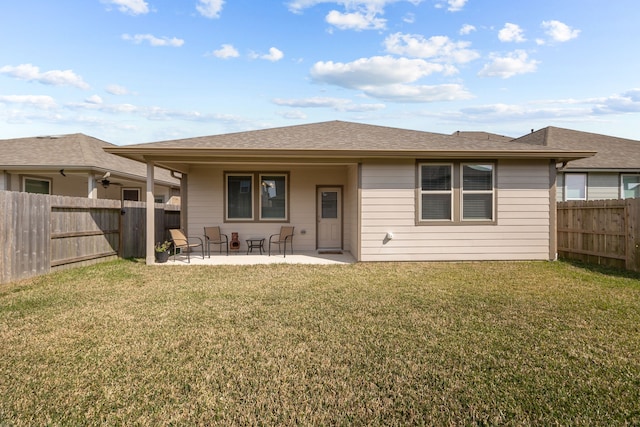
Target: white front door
column 329, row 218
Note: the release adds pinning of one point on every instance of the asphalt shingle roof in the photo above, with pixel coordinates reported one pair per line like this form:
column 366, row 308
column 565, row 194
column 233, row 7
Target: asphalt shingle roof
column 612, row 152
column 335, row 136
column 71, row 151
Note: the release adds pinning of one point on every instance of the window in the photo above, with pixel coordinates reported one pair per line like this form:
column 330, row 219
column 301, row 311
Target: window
column 437, row 194
column 575, row 186
column 131, row 194
column 630, row 186
column 239, row 197
column 271, row 199
column 477, row 192
column 456, row 192
column 38, row 186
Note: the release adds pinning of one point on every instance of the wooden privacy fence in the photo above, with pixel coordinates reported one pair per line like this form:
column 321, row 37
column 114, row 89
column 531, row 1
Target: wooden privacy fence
column 41, row 233
column 605, row 232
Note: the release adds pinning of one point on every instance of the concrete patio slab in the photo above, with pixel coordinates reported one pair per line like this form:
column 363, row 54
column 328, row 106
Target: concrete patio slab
column 255, row 259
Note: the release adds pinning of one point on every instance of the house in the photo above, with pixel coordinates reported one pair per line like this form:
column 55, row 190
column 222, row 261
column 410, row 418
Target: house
column 381, row 193
column 613, row 173
column 77, row 165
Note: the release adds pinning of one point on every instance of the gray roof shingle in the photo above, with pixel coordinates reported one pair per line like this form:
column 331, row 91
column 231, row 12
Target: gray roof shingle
column 73, row 151
column 612, row 152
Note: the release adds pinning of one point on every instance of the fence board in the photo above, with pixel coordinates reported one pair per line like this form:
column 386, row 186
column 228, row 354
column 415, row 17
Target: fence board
column 41, row 233
column 603, row 232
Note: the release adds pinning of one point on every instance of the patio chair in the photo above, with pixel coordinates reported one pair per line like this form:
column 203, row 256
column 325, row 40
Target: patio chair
column 212, row 236
column 285, row 235
column 182, row 242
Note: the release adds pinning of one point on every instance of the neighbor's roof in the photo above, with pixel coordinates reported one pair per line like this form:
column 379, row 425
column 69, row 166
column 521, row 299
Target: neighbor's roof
column 612, row 153
column 335, row 140
column 72, row 152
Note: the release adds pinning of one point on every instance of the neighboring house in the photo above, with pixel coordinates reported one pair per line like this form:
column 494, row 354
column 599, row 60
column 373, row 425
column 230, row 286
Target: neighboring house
column 613, row 173
column 383, row 194
column 77, row 165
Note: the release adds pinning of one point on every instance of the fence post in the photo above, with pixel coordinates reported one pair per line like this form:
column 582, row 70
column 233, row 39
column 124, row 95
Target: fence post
column 632, row 210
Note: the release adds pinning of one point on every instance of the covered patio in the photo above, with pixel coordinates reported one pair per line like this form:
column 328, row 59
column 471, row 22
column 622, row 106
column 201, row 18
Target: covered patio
column 241, row 258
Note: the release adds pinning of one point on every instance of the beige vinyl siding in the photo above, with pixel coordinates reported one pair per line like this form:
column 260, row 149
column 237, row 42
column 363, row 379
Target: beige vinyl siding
column 206, row 202
column 389, row 205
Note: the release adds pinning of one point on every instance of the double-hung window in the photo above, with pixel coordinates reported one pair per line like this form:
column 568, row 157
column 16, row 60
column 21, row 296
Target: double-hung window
column 256, row 197
column 456, row 192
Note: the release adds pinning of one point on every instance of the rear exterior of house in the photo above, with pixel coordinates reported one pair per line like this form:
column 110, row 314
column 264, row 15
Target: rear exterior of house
column 381, row 194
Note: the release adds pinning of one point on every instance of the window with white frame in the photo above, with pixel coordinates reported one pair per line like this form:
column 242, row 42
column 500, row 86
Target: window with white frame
column 629, row 186
column 36, row 185
column 265, row 192
column 575, row 186
column 456, row 192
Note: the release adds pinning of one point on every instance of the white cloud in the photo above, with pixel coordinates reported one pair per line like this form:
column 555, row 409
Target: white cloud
column 226, row 51
column 419, row 93
column 133, row 7
column 514, row 63
column 559, row 32
column 355, row 21
column 117, row 90
column 627, row 102
column 388, row 78
column 511, row 33
column 337, row 104
column 94, row 99
column 37, row 101
column 274, row 55
column 153, row 40
column 297, row 6
column 467, row 29
column 439, row 48
column 210, row 8
column 456, row 5
column 378, row 70
column 54, row 77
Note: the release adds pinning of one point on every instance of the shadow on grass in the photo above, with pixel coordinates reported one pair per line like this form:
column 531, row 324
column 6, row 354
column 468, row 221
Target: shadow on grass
column 605, row 270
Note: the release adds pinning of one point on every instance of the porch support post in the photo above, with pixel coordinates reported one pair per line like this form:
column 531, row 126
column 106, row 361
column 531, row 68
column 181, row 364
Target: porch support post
column 151, row 220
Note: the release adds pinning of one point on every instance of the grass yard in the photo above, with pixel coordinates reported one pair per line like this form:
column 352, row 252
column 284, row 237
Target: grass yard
column 366, row 344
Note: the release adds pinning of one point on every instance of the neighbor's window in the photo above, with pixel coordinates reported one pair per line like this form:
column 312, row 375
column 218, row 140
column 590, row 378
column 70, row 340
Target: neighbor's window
column 630, row 186
column 239, row 197
column 131, row 194
column 575, row 186
column 39, row 186
column 477, row 192
column 273, row 200
column 456, row 192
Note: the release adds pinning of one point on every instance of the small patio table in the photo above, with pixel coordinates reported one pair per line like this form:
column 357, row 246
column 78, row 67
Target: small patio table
column 255, row 243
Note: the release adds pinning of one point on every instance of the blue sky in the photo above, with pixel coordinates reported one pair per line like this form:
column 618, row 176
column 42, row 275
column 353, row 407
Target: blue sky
column 132, row 71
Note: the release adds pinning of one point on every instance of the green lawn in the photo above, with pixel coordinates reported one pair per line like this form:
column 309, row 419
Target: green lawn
column 365, row 344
